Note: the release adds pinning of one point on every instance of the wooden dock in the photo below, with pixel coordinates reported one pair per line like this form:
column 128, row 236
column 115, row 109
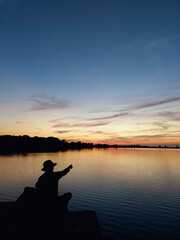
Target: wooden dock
column 81, row 225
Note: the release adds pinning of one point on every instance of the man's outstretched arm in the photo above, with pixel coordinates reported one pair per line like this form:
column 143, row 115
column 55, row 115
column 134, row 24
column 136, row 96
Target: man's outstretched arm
column 64, row 172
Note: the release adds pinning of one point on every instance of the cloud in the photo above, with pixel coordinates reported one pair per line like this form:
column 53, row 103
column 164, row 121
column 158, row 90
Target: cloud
column 173, row 116
column 44, row 102
column 69, row 125
column 66, row 118
column 100, row 110
column 97, row 124
column 163, row 135
column 150, row 104
column 164, row 126
column 110, row 117
column 142, row 139
column 57, row 120
column 100, row 132
column 128, row 109
column 156, row 103
column 141, row 106
column 62, row 132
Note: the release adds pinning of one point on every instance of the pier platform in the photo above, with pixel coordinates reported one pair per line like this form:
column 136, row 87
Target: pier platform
column 80, row 225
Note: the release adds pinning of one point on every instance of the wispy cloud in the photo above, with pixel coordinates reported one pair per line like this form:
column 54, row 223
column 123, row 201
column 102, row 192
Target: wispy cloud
column 173, row 116
column 44, row 102
column 156, row 103
column 127, row 111
column 110, row 117
column 56, row 120
column 162, row 125
column 98, row 132
column 62, row 132
column 73, row 125
column 143, row 139
column 149, row 104
column 100, row 110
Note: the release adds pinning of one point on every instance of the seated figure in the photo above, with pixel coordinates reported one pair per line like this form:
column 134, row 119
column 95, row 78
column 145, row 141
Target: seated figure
column 47, row 186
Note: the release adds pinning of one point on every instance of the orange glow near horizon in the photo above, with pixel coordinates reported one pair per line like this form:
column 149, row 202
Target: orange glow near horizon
column 135, row 126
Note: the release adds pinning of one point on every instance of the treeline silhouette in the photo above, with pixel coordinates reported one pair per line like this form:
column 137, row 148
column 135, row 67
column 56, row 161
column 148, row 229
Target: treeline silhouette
column 24, row 144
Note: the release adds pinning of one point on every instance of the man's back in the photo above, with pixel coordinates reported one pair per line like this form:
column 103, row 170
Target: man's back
column 47, row 185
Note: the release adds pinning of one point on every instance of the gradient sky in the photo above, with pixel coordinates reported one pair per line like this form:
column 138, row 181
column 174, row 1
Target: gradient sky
column 104, row 71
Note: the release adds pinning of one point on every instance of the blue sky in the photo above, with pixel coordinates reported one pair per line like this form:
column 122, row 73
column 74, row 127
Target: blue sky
column 103, row 70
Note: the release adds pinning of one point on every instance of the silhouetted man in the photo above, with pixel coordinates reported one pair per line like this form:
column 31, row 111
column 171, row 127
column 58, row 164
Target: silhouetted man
column 47, row 185
column 41, row 207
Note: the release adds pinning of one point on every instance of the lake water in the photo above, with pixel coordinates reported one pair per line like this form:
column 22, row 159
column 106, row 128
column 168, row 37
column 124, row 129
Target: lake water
column 135, row 192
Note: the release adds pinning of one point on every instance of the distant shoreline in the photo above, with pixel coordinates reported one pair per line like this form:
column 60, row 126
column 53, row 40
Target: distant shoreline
column 10, row 144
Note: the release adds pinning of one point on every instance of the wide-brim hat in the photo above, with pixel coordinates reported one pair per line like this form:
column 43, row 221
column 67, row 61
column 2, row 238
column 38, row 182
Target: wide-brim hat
column 47, row 164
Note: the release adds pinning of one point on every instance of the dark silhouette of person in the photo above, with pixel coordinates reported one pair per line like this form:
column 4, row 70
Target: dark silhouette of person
column 47, row 185
column 41, row 207
column 53, row 209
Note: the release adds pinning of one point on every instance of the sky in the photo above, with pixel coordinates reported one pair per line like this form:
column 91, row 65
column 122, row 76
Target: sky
column 101, row 71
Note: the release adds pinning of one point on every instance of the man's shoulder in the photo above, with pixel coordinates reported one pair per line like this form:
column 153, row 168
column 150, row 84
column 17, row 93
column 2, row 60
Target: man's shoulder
column 42, row 176
column 49, row 175
column 58, row 174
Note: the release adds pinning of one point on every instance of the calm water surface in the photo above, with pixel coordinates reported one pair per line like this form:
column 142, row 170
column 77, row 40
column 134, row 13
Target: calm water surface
column 135, row 192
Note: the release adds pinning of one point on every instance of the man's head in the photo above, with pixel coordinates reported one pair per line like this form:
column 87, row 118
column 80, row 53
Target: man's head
column 48, row 166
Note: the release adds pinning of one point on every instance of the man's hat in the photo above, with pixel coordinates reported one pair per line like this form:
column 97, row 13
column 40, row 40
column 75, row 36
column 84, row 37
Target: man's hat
column 47, row 164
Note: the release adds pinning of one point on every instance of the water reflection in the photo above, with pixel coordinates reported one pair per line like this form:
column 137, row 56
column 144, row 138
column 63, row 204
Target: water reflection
column 135, row 192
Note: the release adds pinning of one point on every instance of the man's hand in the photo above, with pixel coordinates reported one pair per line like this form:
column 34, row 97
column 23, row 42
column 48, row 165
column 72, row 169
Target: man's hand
column 70, row 166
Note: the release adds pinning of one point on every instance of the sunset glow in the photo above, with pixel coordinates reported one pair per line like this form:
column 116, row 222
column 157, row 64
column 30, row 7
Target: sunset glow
column 91, row 71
